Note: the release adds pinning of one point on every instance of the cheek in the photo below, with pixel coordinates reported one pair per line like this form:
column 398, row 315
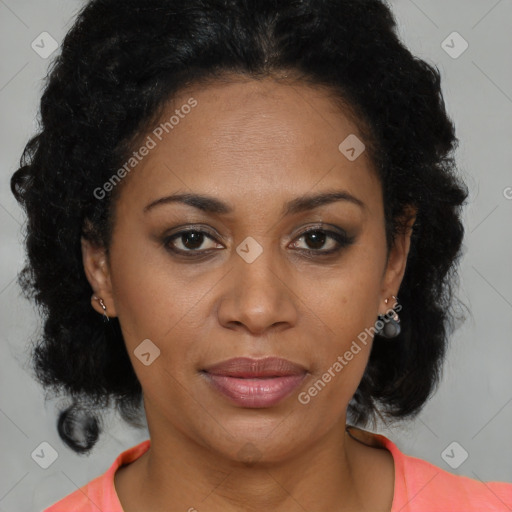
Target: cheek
column 347, row 301
column 154, row 303
column 165, row 303
column 150, row 294
column 340, row 360
column 347, row 306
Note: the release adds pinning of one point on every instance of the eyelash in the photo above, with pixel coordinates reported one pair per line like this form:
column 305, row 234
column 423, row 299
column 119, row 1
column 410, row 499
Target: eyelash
column 343, row 241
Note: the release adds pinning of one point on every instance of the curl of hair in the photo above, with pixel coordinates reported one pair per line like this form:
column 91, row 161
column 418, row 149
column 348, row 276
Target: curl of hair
column 78, row 427
column 117, row 69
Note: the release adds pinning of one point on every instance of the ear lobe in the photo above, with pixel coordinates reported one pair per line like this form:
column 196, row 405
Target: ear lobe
column 97, row 271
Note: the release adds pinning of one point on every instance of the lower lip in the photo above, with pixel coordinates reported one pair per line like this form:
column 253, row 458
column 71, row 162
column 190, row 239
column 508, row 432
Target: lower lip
column 255, row 393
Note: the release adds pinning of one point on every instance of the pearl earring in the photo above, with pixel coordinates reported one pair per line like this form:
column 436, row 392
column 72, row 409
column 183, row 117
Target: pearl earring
column 390, row 321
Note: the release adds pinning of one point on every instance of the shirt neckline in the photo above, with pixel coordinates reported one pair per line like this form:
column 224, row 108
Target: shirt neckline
column 363, row 436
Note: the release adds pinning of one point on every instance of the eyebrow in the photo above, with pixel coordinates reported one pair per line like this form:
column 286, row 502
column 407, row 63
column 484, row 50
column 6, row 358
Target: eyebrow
column 212, row 205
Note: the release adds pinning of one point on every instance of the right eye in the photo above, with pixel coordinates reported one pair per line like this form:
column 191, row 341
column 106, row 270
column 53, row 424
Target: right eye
column 190, row 240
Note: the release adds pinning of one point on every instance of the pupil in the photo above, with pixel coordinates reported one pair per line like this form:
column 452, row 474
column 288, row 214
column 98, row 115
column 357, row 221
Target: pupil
column 317, row 237
column 196, row 240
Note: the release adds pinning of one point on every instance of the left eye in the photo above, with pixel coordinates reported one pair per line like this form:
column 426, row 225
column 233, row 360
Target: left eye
column 316, row 239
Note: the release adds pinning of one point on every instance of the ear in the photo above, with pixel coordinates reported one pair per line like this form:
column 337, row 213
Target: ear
column 97, row 271
column 395, row 268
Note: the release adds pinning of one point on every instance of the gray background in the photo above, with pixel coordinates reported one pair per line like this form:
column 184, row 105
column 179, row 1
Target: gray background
column 474, row 403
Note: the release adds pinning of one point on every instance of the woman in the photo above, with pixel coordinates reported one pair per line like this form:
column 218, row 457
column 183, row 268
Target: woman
column 245, row 217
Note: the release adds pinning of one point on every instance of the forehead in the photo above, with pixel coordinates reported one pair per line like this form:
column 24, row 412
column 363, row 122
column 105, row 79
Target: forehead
column 251, row 139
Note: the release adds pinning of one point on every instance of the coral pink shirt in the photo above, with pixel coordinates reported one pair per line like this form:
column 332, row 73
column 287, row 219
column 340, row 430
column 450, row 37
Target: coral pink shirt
column 419, row 486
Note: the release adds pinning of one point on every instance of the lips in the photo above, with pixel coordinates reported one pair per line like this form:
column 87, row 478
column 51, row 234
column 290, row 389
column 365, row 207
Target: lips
column 255, row 383
column 246, row 367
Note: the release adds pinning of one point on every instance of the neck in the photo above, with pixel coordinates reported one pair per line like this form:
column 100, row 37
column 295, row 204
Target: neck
column 340, row 470
column 192, row 477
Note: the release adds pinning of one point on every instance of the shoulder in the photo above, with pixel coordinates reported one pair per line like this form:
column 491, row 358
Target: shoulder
column 100, row 493
column 423, row 487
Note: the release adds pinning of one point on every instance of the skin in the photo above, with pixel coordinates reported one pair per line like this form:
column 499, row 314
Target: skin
column 254, row 145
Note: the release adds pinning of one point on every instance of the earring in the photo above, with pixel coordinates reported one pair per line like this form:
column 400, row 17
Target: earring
column 102, row 304
column 390, row 321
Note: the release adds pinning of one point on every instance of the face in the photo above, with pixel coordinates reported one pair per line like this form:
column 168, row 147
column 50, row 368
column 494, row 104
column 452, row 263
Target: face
column 256, row 270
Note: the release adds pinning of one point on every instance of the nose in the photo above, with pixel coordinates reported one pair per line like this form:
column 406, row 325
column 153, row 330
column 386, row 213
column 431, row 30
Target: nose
column 258, row 296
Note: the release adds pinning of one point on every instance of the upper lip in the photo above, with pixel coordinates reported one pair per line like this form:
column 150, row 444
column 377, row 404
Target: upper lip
column 246, row 367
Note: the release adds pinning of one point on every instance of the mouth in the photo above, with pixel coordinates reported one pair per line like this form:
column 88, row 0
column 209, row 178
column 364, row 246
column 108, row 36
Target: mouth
column 255, row 383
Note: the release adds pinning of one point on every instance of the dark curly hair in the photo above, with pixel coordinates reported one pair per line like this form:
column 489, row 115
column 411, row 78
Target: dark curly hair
column 120, row 64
